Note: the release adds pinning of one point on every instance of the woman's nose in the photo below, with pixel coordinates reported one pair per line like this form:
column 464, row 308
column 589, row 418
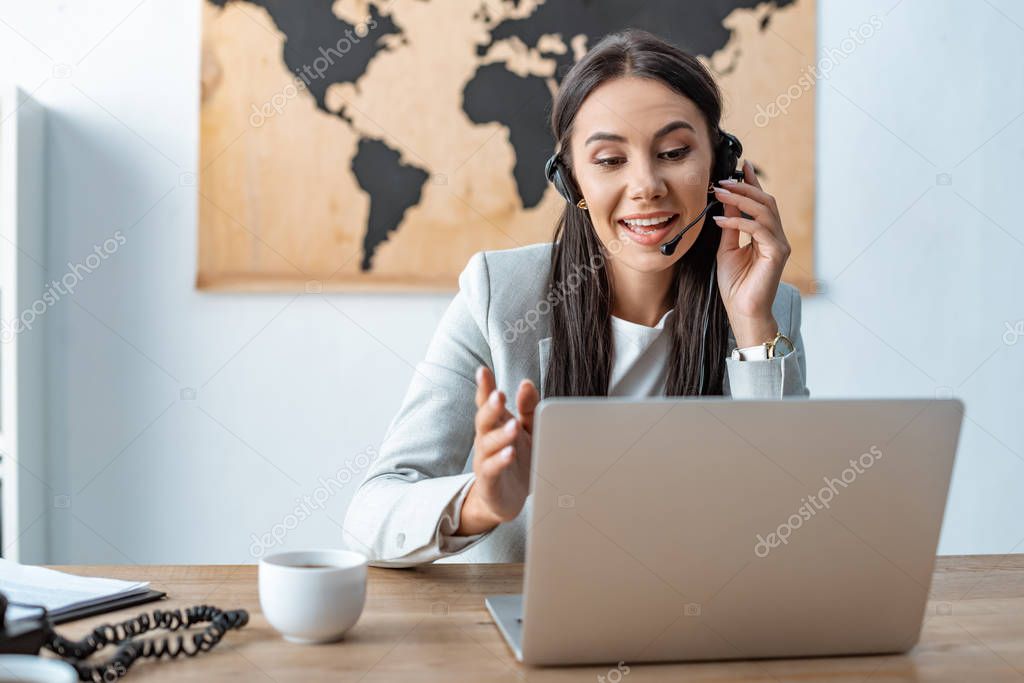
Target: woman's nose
column 646, row 182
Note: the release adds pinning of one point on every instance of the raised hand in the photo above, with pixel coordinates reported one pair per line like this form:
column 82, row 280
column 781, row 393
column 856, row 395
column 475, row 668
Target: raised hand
column 749, row 276
column 501, row 457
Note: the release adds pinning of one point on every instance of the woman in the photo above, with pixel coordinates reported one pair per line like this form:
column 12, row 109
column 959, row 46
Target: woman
column 603, row 310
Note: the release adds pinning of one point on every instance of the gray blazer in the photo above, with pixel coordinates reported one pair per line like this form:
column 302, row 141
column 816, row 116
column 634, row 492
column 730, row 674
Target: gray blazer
column 407, row 507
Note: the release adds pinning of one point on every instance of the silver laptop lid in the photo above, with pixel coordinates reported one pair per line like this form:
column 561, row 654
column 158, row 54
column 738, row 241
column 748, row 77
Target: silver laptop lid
column 676, row 528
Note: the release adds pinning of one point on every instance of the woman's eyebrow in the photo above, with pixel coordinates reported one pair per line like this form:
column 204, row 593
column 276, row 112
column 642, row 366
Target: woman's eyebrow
column 664, row 130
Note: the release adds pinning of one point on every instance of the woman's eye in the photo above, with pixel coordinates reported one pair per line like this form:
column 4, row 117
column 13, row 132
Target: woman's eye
column 676, row 153
column 607, row 161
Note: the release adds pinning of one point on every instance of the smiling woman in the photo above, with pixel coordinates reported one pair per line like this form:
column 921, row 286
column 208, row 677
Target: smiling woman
column 644, row 291
column 637, row 125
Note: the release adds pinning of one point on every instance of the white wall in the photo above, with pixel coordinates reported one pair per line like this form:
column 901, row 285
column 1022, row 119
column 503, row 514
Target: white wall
column 918, row 277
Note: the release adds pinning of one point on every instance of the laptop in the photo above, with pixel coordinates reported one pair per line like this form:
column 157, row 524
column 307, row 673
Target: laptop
column 676, row 529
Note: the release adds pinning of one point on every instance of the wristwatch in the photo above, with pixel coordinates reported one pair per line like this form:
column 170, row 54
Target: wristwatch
column 763, row 351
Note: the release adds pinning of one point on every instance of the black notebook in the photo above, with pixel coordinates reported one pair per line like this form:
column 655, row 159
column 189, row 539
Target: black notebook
column 67, row 614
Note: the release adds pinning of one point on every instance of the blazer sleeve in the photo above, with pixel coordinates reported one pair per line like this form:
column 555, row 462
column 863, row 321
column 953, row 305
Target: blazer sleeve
column 408, row 505
column 774, row 377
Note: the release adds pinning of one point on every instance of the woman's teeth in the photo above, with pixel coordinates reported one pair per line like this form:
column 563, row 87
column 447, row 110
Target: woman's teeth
column 647, row 226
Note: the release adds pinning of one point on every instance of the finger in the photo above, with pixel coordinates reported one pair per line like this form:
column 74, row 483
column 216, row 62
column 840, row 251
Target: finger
column 767, row 241
column 750, row 175
column 750, row 187
column 740, row 201
column 750, row 192
column 492, row 467
column 524, row 446
column 527, row 399
column 730, row 240
column 492, row 410
column 496, row 439
column 728, row 209
column 484, row 384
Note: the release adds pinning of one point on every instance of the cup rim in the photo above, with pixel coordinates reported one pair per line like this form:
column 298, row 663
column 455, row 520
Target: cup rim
column 344, row 560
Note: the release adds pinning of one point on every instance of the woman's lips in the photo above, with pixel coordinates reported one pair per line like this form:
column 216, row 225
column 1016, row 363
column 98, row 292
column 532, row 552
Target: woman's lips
column 649, row 239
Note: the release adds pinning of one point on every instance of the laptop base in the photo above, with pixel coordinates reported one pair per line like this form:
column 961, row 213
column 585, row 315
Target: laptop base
column 507, row 612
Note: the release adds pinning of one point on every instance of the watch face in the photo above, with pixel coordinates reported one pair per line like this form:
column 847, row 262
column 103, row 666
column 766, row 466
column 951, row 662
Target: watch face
column 775, row 342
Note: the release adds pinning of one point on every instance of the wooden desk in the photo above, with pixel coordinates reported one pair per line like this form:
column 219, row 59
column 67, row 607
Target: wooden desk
column 430, row 624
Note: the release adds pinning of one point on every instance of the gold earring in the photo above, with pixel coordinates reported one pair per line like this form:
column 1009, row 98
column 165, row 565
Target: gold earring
column 582, row 204
column 711, row 188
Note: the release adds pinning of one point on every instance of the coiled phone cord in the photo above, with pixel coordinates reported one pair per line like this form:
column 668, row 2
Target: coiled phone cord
column 129, row 649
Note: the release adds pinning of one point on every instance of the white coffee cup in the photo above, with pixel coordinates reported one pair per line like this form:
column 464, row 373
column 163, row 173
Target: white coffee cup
column 312, row 596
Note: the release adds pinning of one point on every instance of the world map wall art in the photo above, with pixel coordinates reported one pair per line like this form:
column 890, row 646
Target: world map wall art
column 359, row 145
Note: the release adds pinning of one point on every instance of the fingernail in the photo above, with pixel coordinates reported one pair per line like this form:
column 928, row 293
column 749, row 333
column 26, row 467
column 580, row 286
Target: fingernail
column 510, row 426
column 722, row 190
column 494, row 397
column 506, row 452
column 727, row 181
column 480, row 374
column 719, row 219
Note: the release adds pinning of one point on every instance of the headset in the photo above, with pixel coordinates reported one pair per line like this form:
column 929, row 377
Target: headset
column 727, row 155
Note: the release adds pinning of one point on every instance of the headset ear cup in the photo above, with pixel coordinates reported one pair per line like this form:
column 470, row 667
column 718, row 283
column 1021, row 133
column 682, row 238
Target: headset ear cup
column 727, row 156
column 564, row 187
column 557, row 173
column 733, row 154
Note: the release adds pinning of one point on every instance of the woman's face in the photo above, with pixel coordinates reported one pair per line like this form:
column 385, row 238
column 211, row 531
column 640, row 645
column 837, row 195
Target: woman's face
column 638, row 147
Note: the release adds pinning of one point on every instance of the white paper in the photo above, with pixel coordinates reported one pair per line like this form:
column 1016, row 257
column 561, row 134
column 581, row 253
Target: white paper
column 56, row 590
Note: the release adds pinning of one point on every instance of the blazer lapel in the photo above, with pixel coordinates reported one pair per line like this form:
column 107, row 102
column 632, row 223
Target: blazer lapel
column 543, row 348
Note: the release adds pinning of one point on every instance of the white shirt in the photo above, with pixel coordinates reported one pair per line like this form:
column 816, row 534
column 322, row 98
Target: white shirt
column 638, row 366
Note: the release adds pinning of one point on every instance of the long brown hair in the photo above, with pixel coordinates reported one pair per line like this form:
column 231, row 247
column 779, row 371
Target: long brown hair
column 581, row 346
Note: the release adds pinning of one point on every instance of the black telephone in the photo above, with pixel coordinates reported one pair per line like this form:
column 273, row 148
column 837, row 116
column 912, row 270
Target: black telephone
column 29, row 635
